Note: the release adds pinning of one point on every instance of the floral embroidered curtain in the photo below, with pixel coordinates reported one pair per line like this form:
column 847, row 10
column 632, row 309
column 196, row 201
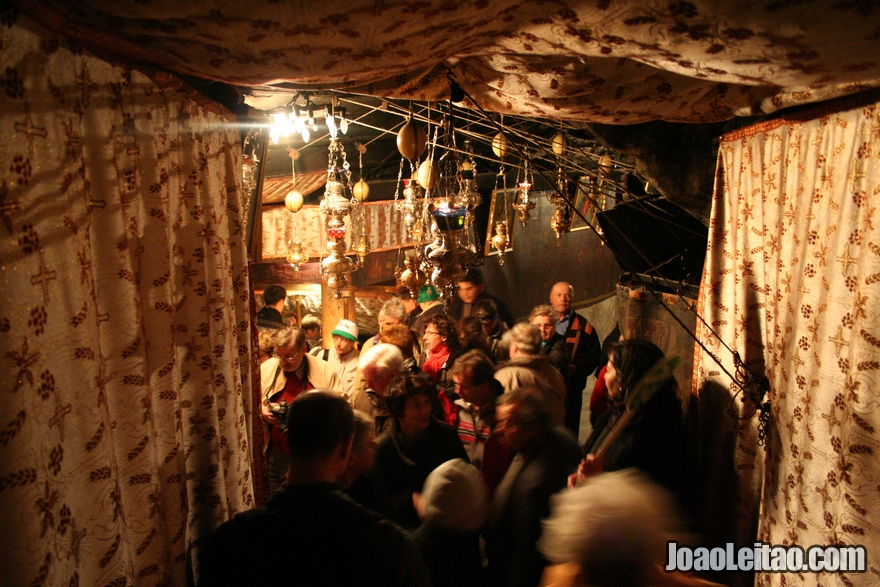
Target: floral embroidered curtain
column 125, row 429
column 792, row 283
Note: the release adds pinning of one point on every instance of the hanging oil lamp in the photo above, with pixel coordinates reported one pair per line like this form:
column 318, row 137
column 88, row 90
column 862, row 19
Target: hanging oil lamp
column 413, row 278
column 524, row 204
column 296, row 256
column 335, row 206
column 561, row 220
column 468, row 196
column 501, row 239
column 449, row 259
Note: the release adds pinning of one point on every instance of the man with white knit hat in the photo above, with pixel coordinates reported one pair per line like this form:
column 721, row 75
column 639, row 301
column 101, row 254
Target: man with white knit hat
column 343, row 357
column 453, row 506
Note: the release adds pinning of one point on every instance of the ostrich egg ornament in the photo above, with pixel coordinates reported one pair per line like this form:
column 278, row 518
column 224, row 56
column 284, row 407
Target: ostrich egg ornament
column 606, row 163
column 559, row 143
column 411, row 140
column 293, row 201
column 426, row 174
column 361, row 191
column 500, row 145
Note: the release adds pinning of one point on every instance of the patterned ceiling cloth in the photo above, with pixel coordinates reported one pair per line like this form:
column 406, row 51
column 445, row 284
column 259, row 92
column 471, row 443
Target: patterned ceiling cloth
column 792, row 283
column 611, row 61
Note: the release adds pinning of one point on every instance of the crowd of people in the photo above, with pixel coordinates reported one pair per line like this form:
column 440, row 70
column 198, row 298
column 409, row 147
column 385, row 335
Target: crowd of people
column 451, row 424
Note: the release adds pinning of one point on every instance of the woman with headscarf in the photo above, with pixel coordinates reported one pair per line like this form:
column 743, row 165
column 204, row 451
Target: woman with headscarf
column 654, row 441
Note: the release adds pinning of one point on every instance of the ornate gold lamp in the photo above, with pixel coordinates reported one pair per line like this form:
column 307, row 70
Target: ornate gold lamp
column 468, row 196
column 335, row 207
column 561, row 220
column 413, row 278
column 524, row 204
column 501, row 238
column 449, row 259
column 296, row 255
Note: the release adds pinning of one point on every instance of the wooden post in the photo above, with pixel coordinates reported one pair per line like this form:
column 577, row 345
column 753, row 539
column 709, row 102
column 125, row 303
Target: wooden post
column 333, row 310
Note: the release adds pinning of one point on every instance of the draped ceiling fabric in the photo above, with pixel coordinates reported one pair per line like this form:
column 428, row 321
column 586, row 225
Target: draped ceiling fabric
column 125, row 350
column 610, row 61
column 792, row 283
column 275, row 189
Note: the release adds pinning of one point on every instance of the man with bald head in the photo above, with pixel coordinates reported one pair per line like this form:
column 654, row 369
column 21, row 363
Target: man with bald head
column 582, row 347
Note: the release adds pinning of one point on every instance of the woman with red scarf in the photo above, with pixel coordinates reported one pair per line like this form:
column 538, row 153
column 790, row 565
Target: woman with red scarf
column 441, row 349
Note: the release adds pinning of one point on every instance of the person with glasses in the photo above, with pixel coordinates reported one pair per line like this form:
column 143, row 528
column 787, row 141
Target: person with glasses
column 441, row 349
column 290, row 372
column 431, row 303
column 552, row 343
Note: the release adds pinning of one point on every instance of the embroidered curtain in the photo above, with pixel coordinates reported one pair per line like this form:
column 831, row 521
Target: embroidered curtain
column 382, row 220
column 125, row 421
column 792, row 283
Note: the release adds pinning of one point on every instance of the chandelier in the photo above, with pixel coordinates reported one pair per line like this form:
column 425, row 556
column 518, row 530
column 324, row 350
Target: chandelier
column 302, row 119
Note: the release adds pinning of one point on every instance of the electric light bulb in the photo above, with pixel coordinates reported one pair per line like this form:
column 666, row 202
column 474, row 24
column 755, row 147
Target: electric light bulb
column 343, row 126
column 331, row 126
column 306, row 135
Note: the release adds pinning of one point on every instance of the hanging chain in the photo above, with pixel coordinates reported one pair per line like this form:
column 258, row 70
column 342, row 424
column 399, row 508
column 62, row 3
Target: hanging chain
column 399, row 180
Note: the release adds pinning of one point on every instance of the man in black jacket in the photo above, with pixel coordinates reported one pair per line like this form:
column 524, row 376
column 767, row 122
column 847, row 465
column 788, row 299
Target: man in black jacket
column 269, row 315
column 472, row 289
column 583, row 348
column 310, row 532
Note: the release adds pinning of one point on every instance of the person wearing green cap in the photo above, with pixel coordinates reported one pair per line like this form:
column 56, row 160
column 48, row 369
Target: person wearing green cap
column 343, row 357
column 430, row 302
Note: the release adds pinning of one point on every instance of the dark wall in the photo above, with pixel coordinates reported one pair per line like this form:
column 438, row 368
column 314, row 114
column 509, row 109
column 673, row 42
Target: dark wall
column 537, row 262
